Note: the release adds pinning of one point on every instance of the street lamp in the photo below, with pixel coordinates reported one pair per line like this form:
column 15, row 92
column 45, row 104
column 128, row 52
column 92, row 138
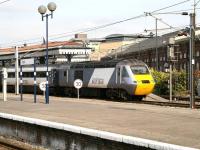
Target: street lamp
column 42, row 10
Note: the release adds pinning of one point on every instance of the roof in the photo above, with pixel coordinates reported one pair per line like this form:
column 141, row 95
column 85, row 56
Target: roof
column 106, row 63
column 123, row 35
column 4, row 51
column 152, row 43
column 96, row 40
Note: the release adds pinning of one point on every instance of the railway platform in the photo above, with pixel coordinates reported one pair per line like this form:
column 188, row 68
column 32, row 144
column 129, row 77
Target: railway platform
column 180, row 126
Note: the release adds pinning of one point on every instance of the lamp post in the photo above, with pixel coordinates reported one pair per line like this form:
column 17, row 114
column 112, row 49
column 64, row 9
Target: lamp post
column 192, row 60
column 42, row 10
column 156, row 44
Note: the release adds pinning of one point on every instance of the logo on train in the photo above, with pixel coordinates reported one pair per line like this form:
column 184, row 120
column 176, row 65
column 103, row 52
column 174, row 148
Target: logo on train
column 97, row 81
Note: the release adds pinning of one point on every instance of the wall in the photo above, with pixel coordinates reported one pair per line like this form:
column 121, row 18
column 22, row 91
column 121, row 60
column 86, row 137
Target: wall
column 56, row 139
column 60, row 136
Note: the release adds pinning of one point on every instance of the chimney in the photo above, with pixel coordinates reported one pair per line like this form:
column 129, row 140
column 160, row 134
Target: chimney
column 82, row 37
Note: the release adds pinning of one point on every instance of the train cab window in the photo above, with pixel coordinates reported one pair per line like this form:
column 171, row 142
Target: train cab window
column 124, row 72
column 78, row 74
column 139, row 70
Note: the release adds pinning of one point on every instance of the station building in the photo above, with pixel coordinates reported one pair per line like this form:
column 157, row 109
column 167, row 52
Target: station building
column 113, row 46
column 145, row 50
column 58, row 52
column 102, row 47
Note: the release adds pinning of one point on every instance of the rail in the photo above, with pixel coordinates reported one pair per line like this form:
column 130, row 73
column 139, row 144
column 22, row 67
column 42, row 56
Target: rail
column 171, row 104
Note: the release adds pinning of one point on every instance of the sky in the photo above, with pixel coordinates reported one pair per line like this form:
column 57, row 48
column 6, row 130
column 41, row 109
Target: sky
column 21, row 22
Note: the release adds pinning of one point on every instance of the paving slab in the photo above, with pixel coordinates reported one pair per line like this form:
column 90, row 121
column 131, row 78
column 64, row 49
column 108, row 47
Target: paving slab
column 179, row 126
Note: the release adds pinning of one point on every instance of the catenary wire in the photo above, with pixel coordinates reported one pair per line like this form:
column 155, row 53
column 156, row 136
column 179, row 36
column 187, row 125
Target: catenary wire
column 4, row 1
column 107, row 25
column 170, row 6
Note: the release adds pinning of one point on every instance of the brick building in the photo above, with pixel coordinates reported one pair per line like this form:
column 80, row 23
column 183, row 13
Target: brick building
column 146, row 51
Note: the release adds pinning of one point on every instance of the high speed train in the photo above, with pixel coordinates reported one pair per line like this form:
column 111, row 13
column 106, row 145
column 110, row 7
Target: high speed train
column 126, row 79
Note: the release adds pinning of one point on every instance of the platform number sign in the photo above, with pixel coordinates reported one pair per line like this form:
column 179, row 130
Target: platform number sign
column 78, row 84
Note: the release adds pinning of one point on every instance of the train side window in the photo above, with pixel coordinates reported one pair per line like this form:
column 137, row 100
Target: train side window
column 65, row 73
column 124, row 72
column 118, row 75
column 78, row 74
column 11, row 75
column 27, row 74
column 41, row 74
column 118, row 72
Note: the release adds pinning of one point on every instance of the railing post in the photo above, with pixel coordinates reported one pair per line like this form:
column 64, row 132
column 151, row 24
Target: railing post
column 5, row 76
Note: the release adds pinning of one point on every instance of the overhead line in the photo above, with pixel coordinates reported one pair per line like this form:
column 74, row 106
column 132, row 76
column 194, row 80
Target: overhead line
column 106, row 25
column 117, row 22
column 121, row 21
column 174, row 12
column 170, row 6
column 4, row 1
column 196, row 3
column 103, row 26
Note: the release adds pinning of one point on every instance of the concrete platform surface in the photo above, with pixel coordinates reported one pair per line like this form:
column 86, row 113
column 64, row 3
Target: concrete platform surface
column 179, row 126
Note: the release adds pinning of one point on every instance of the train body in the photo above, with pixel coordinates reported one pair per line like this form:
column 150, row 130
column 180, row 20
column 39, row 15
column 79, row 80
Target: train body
column 117, row 79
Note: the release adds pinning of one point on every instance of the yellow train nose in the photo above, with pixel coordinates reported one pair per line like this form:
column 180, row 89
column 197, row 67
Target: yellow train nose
column 145, row 84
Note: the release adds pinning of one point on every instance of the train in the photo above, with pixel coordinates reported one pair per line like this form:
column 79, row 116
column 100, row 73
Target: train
column 123, row 79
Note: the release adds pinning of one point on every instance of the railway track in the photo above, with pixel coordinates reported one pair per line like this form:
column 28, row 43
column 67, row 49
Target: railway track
column 11, row 144
column 170, row 104
column 181, row 102
column 7, row 146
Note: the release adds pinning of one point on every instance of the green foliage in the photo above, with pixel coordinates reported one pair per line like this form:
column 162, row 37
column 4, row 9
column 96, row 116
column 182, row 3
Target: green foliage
column 161, row 79
column 179, row 81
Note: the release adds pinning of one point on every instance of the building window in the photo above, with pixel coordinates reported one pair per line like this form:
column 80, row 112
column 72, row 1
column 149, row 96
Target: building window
column 160, row 67
column 185, row 55
column 197, row 53
column 197, row 66
column 180, row 55
column 184, row 66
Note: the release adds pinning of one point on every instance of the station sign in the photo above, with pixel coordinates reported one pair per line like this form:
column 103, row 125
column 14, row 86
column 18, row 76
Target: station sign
column 29, row 61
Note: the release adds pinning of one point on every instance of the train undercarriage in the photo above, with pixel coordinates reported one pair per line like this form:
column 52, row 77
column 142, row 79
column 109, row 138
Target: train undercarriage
column 113, row 94
column 102, row 93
